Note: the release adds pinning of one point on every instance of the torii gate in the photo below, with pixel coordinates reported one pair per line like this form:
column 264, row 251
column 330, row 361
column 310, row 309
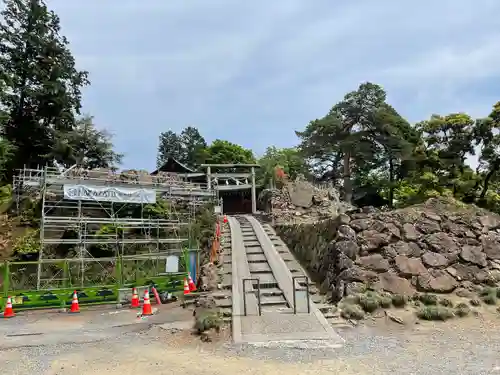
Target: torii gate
column 239, row 181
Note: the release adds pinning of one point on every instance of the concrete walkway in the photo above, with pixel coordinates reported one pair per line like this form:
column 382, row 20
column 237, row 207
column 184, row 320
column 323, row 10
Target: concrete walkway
column 271, row 326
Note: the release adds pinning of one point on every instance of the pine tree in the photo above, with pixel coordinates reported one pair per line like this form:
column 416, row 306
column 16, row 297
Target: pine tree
column 42, row 85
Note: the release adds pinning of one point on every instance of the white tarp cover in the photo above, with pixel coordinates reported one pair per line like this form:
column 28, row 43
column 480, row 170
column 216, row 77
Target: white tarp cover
column 109, row 194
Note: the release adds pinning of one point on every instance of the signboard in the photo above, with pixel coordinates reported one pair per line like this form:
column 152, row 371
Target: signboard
column 218, row 209
column 109, row 194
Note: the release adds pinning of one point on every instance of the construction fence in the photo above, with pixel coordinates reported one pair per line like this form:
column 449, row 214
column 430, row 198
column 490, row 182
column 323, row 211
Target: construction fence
column 97, row 280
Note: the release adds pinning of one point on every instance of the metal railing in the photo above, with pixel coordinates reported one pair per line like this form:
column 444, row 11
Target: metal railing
column 295, row 289
column 257, row 281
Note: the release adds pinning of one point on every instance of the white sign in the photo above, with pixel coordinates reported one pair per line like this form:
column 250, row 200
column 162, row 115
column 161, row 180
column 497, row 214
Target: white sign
column 172, row 264
column 218, row 209
column 109, row 194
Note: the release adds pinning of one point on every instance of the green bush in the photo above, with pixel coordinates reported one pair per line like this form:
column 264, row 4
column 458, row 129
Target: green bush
column 435, row 313
column 445, row 302
column 207, row 320
column 399, row 300
column 353, row 312
column 475, row 302
column 462, row 310
column 490, row 299
column 385, row 301
column 369, row 303
column 429, row 299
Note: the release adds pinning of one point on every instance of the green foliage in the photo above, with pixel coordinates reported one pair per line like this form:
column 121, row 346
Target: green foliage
column 29, row 243
column 225, row 152
column 207, row 319
column 352, row 312
column 41, row 86
column 399, row 300
column 429, row 299
column 462, row 310
column 435, row 313
column 288, row 159
column 188, row 147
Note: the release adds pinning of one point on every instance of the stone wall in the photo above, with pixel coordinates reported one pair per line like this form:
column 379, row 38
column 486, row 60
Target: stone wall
column 439, row 247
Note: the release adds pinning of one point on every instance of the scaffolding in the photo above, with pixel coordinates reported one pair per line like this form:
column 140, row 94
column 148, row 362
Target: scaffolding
column 96, row 216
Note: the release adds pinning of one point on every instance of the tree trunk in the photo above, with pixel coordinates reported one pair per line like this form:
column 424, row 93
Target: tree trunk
column 391, row 182
column 347, row 178
column 491, row 172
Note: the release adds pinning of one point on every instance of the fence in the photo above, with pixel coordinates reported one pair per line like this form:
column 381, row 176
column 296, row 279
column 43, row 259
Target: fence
column 97, row 279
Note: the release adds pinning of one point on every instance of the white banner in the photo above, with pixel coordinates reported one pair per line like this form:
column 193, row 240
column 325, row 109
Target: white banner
column 109, row 194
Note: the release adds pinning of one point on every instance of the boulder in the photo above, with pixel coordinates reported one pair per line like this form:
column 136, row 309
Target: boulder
column 375, row 262
column 474, row 255
column 408, row 267
column 437, row 281
column 435, row 260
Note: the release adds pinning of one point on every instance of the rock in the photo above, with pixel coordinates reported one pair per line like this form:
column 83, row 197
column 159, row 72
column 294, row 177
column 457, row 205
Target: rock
column 408, row 267
column 436, row 260
column 473, row 255
column 441, row 243
column 372, row 240
column 428, row 227
column 432, row 216
column 437, row 281
column 360, row 224
column 462, row 292
column 397, row 285
column 357, row 273
column 402, row 248
column 345, row 232
column 349, row 248
column 491, row 245
column 410, row 233
column 375, row 262
column 394, row 317
column 343, row 262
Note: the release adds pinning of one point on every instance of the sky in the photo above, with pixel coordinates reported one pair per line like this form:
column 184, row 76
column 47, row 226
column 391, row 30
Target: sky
column 253, row 72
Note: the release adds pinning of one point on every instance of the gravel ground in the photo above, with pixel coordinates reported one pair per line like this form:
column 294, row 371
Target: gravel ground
column 468, row 346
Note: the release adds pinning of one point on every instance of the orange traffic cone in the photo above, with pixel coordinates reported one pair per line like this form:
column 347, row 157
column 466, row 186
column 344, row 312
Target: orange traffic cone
column 75, row 307
column 186, row 287
column 135, row 299
column 146, row 306
column 9, row 312
column 225, row 219
column 191, row 285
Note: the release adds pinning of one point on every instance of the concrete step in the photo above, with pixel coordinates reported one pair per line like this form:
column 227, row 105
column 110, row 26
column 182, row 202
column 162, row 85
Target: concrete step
column 272, row 300
column 251, row 243
column 224, row 303
column 253, row 250
column 259, row 267
column 254, row 257
column 271, row 292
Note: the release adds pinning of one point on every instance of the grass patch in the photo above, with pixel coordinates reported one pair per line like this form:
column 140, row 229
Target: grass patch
column 429, row 299
column 369, row 302
column 352, row 312
column 445, row 302
column 462, row 310
column 207, row 320
column 435, row 313
column 490, row 299
column 399, row 300
column 385, row 300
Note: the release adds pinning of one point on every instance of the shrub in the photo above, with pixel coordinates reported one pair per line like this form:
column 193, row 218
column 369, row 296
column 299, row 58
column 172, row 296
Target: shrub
column 498, row 292
column 435, row 313
column 385, row 301
column 445, row 302
column 487, row 291
column 369, row 302
column 399, row 300
column 429, row 299
column 353, row 312
column 490, row 299
column 462, row 310
column 475, row 302
column 206, row 321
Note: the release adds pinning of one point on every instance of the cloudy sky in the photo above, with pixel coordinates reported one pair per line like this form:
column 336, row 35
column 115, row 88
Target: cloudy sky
column 252, row 72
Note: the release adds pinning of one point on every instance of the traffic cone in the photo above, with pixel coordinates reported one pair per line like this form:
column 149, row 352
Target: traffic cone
column 75, row 308
column 146, row 306
column 135, row 299
column 225, row 219
column 186, row 287
column 9, row 312
column 191, row 285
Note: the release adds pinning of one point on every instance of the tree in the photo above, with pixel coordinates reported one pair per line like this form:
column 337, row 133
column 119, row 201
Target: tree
column 288, row 159
column 346, row 133
column 43, row 87
column 225, row 152
column 86, row 145
column 486, row 134
column 188, row 147
column 193, row 145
